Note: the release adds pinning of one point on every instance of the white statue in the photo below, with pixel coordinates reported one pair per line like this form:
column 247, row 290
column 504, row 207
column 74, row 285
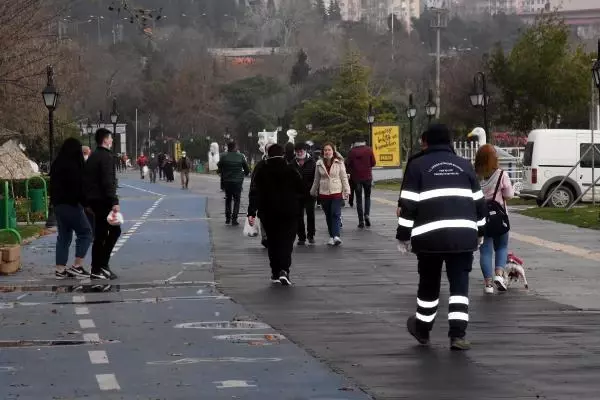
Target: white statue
column 265, row 138
column 213, row 157
column 291, row 134
column 480, row 134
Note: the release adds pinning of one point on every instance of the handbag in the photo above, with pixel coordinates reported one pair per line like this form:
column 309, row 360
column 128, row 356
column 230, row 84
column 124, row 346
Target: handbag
column 496, row 222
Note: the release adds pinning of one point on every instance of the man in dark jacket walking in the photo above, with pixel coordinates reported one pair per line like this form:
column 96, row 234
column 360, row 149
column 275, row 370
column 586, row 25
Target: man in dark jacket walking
column 305, row 165
column 233, row 167
column 277, row 194
column 361, row 161
column 100, row 186
column 442, row 217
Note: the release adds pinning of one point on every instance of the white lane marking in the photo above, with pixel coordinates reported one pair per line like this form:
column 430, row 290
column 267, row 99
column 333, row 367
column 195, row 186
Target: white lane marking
column 534, row 240
column 186, row 361
column 78, row 299
column 91, row 337
column 177, row 275
column 22, row 296
column 82, row 311
column 107, row 382
column 87, row 324
column 233, row 384
column 200, row 291
column 98, row 357
column 142, row 190
column 122, row 240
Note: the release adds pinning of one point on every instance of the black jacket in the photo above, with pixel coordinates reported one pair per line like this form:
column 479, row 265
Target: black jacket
column 100, row 181
column 442, row 207
column 307, row 172
column 66, row 183
column 276, row 190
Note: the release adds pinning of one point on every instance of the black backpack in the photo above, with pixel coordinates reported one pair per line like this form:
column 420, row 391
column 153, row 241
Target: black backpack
column 497, row 222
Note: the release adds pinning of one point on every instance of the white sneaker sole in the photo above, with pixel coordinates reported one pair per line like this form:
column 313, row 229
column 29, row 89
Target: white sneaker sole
column 500, row 285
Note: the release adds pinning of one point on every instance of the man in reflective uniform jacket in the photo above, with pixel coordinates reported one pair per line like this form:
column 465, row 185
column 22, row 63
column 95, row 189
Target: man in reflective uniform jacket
column 442, row 216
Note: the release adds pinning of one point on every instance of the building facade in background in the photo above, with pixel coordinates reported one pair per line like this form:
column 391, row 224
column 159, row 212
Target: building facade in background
column 376, row 12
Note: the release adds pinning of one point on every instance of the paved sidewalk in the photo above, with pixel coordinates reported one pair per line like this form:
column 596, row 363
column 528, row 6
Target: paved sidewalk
column 349, row 305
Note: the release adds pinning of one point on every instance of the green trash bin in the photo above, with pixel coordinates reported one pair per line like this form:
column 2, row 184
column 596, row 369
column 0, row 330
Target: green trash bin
column 12, row 215
column 200, row 169
column 37, row 198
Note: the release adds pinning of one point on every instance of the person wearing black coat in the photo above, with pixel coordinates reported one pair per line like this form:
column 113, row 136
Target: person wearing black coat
column 68, row 200
column 305, row 165
column 278, row 189
column 442, row 218
column 100, row 185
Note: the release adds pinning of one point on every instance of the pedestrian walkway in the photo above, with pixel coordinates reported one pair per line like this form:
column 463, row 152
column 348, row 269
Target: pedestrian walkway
column 349, row 305
column 163, row 330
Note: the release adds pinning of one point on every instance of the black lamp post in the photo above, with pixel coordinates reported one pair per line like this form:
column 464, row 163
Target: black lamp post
column 479, row 98
column 430, row 107
column 90, row 130
column 596, row 69
column 114, row 117
column 411, row 113
column 370, row 121
column 50, row 96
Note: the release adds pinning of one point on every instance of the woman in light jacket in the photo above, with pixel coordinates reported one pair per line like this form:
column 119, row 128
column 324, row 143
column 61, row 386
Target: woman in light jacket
column 331, row 187
column 494, row 250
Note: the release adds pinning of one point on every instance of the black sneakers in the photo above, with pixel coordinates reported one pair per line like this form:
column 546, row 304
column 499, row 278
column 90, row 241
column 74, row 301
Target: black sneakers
column 235, row 222
column 301, row 243
column 78, row 272
column 103, row 273
column 460, row 344
column 284, row 278
column 72, row 272
column 411, row 325
column 367, row 221
column 274, row 279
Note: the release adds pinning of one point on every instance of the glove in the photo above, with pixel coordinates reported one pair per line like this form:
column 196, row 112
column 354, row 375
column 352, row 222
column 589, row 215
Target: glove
column 404, row 247
column 480, row 240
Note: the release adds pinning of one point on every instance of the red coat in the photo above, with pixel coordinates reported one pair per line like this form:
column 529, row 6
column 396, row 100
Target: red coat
column 142, row 160
column 361, row 161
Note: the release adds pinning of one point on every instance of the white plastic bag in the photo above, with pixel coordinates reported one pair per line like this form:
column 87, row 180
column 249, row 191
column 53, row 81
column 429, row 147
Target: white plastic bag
column 114, row 218
column 145, row 170
column 251, row 230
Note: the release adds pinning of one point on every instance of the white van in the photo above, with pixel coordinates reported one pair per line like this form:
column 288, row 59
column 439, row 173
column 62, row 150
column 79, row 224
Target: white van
column 549, row 156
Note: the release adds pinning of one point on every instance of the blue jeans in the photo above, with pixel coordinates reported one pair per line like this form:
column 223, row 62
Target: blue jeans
column 491, row 245
column 333, row 215
column 68, row 219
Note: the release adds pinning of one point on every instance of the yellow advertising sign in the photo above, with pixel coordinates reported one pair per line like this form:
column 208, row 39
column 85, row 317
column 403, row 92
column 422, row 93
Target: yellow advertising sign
column 386, row 145
column 177, row 150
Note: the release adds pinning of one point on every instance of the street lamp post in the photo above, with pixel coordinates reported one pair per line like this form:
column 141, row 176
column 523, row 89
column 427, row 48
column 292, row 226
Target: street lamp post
column 370, row 121
column 114, row 117
column 479, row 98
column 411, row 113
column 596, row 75
column 90, row 129
column 430, row 107
column 50, row 96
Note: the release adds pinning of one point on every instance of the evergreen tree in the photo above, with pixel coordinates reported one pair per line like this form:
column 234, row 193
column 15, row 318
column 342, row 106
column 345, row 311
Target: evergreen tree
column 320, row 5
column 300, row 70
column 335, row 11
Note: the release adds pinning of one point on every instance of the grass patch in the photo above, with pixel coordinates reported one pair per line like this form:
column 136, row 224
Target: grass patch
column 388, row 184
column 583, row 217
column 26, row 231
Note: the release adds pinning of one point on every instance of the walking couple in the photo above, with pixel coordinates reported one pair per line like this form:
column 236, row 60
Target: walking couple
column 83, row 194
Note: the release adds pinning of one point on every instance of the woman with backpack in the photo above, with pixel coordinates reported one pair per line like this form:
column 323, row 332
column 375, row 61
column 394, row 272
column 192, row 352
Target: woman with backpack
column 497, row 189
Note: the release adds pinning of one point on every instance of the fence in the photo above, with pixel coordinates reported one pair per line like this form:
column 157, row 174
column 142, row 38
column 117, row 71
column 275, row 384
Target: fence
column 511, row 160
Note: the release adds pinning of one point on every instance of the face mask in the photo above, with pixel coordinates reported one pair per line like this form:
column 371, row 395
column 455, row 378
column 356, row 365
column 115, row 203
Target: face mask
column 328, row 157
column 301, row 155
column 85, row 157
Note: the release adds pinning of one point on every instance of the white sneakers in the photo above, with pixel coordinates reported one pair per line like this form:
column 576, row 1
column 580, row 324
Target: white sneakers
column 330, row 242
column 488, row 289
column 500, row 283
column 337, row 241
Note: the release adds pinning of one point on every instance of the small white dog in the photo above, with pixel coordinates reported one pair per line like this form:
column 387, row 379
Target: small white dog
column 515, row 271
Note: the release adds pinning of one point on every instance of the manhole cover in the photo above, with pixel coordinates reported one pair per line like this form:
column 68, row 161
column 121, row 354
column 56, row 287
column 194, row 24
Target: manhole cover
column 253, row 339
column 224, row 325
